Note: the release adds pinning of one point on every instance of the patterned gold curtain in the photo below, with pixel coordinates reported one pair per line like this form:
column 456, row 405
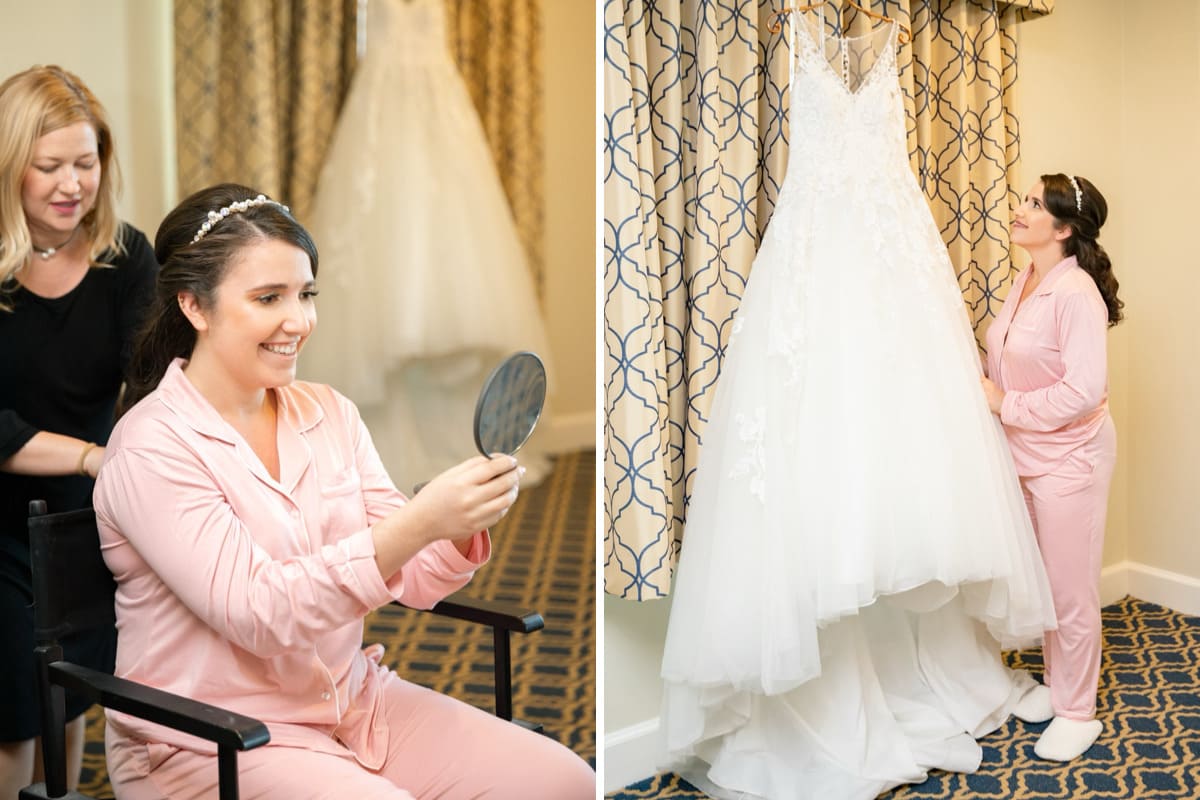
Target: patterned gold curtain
column 497, row 45
column 259, row 83
column 696, row 147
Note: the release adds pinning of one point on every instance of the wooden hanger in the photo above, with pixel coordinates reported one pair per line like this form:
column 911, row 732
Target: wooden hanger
column 905, row 35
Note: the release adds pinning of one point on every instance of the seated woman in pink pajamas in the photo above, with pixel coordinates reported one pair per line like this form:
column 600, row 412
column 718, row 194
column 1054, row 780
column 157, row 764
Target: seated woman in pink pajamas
column 251, row 527
column 1048, row 382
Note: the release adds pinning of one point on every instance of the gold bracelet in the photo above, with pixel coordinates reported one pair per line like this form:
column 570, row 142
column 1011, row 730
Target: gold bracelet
column 87, row 448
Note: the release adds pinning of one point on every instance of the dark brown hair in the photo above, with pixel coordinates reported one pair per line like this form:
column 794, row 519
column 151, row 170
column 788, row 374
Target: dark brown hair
column 198, row 268
column 1085, row 222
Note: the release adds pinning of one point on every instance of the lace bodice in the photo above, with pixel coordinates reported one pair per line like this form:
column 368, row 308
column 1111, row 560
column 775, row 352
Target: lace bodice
column 846, row 107
column 849, row 199
column 412, row 30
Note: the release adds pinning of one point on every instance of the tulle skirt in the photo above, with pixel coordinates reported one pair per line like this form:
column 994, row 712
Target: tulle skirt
column 857, row 547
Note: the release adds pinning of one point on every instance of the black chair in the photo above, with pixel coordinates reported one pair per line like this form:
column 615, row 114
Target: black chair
column 504, row 621
column 73, row 591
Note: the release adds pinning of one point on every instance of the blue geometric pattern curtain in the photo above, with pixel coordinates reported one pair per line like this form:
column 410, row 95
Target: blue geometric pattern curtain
column 695, row 149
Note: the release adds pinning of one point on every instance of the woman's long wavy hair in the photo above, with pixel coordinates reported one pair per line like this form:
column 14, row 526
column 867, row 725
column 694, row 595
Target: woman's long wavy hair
column 1085, row 223
column 33, row 103
column 197, row 268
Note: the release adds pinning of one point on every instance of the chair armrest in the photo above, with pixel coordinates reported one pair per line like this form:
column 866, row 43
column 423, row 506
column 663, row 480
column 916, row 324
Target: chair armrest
column 38, row 791
column 487, row 612
column 154, row 705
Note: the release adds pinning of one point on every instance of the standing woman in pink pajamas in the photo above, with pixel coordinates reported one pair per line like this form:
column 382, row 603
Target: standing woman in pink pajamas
column 1048, row 382
column 251, row 526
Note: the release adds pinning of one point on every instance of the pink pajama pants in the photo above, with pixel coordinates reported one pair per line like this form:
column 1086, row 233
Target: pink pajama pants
column 1068, row 508
column 439, row 747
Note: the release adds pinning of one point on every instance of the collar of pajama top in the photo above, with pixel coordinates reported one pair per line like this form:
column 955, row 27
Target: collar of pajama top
column 1048, row 353
column 247, row 592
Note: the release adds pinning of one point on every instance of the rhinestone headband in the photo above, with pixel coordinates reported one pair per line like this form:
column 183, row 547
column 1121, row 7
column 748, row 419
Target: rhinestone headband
column 236, row 207
column 1074, row 184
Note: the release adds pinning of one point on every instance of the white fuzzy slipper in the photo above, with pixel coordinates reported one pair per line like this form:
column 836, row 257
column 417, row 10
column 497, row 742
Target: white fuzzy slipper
column 1066, row 739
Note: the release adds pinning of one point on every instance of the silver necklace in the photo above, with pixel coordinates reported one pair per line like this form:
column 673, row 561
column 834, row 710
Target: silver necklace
column 46, row 252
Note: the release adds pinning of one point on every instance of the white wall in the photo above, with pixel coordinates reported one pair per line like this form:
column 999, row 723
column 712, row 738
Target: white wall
column 1110, row 91
column 569, row 62
column 1160, row 173
column 1070, row 106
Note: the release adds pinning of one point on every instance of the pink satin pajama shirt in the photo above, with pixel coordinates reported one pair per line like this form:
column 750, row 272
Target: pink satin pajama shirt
column 247, row 592
column 1048, row 354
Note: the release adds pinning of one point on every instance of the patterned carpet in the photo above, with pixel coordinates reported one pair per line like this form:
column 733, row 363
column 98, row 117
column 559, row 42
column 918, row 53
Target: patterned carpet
column 1150, row 749
column 543, row 559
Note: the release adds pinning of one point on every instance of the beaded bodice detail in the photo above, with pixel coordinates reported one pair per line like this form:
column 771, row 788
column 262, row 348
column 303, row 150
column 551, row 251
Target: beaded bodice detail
column 850, row 210
column 413, row 30
column 847, row 113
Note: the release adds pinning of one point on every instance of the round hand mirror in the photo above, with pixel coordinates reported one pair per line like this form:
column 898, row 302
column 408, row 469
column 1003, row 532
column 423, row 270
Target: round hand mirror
column 510, row 404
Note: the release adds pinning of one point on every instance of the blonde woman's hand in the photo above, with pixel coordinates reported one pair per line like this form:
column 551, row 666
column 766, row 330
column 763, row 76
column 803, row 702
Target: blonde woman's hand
column 92, row 461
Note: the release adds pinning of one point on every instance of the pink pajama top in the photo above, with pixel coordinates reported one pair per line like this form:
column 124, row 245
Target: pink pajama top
column 246, row 592
column 1048, row 353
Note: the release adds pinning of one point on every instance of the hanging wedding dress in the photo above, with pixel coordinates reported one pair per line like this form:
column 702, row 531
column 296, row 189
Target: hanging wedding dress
column 424, row 285
column 857, row 547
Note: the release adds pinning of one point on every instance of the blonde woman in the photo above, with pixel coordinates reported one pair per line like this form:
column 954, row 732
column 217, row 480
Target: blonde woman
column 73, row 281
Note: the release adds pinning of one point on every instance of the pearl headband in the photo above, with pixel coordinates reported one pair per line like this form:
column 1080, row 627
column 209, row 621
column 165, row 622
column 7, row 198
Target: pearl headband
column 236, row 207
column 1074, row 184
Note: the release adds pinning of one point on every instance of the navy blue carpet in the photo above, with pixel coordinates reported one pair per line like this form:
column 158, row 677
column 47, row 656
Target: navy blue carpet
column 1149, row 703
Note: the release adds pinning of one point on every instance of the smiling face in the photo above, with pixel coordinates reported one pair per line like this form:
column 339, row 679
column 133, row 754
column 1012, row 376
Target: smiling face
column 1034, row 228
column 60, row 185
column 262, row 313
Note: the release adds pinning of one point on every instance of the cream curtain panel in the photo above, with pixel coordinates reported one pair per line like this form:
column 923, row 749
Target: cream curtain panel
column 259, row 84
column 695, row 149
